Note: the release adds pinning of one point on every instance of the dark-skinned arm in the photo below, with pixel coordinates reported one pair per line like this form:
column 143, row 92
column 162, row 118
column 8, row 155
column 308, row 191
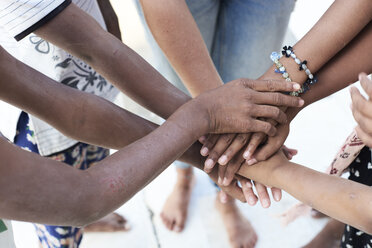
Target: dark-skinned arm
column 113, row 181
column 112, row 59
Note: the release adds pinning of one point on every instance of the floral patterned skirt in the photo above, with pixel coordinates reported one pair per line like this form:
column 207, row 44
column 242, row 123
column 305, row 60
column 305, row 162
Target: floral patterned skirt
column 80, row 156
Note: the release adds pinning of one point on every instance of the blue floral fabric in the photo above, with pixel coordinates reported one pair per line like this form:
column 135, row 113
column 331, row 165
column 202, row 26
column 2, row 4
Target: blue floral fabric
column 80, row 156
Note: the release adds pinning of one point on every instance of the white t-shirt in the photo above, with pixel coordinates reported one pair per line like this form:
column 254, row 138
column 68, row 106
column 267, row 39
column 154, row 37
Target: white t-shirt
column 18, row 19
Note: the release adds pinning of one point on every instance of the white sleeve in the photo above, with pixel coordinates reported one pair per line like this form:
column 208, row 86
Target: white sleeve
column 22, row 17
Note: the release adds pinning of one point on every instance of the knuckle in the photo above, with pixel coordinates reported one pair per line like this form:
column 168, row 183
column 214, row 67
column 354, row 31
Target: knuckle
column 249, row 97
column 278, row 143
column 249, row 107
column 242, row 138
column 213, row 155
column 209, row 143
column 266, row 127
column 276, row 112
column 261, row 191
column 271, row 85
column 278, row 99
column 247, row 83
column 227, row 138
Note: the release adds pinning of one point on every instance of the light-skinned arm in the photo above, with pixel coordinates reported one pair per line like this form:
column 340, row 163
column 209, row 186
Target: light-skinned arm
column 339, row 198
column 341, row 71
column 339, row 25
column 177, row 34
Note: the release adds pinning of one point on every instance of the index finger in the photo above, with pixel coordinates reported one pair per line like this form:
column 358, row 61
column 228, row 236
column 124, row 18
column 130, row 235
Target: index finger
column 277, row 99
column 272, row 85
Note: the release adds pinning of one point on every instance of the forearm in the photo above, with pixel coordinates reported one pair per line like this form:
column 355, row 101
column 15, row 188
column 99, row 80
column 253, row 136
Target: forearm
column 344, row 200
column 102, row 188
column 81, row 116
column 178, row 36
column 335, row 29
column 107, row 126
column 342, row 70
column 341, row 199
column 114, row 60
column 110, row 17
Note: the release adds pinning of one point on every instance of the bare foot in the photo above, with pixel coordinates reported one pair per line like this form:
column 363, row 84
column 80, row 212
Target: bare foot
column 239, row 229
column 175, row 209
column 329, row 237
column 110, row 223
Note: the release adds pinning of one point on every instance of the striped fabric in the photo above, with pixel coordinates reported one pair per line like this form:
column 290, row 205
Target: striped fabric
column 17, row 16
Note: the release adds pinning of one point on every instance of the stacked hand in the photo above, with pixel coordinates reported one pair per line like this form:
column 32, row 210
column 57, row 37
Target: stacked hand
column 227, row 149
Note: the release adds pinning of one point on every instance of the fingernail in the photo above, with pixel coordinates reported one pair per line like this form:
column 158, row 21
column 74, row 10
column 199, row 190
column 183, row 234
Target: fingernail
column 177, row 229
column 204, row 151
column 208, row 163
column 249, row 185
column 219, row 181
column 251, row 200
column 222, row 160
column 302, row 102
column 296, row 86
column 265, row 203
column 225, row 182
column 247, row 154
column 252, row 161
column 276, row 197
column 360, row 76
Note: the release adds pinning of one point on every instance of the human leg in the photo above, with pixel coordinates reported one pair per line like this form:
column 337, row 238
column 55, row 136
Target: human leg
column 174, row 212
column 246, row 33
column 239, row 229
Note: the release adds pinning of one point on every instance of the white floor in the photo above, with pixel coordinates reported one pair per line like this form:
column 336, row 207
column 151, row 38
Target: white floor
column 317, row 133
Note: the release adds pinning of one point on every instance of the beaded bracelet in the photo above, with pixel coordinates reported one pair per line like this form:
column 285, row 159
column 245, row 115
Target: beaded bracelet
column 288, row 52
column 281, row 69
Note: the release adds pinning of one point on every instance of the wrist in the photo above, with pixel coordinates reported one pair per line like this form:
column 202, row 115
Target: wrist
column 192, row 118
column 292, row 113
column 283, row 174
